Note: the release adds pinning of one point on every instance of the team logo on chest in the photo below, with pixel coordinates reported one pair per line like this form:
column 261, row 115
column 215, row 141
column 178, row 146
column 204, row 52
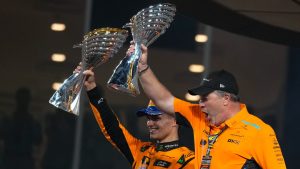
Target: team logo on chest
column 162, row 163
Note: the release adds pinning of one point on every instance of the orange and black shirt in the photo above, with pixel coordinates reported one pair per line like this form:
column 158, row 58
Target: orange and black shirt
column 245, row 143
column 140, row 154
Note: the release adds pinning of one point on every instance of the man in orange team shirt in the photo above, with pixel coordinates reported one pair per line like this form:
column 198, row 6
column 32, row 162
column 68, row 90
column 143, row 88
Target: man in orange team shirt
column 226, row 136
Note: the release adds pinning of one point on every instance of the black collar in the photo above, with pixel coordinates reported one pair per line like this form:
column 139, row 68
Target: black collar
column 167, row 146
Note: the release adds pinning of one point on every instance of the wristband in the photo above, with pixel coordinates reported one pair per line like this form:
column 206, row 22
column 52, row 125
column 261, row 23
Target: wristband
column 144, row 70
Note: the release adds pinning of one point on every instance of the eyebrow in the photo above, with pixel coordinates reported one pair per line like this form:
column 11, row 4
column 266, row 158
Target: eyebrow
column 203, row 98
column 153, row 117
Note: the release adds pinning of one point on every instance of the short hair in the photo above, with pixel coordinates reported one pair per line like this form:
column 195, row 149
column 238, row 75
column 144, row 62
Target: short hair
column 233, row 97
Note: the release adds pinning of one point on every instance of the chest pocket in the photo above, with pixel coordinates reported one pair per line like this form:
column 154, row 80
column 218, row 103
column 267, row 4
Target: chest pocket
column 162, row 163
column 233, row 145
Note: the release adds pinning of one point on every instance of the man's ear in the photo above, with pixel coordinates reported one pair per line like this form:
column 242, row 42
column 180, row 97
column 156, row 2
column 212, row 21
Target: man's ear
column 174, row 123
column 226, row 99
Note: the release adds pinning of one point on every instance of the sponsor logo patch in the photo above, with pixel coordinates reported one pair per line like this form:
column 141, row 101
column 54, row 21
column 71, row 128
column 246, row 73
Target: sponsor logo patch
column 233, row 141
column 181, row 160
column 162, row 163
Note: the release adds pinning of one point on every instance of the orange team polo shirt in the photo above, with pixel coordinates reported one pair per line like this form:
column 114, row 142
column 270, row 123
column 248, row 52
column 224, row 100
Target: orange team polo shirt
column 247, row 137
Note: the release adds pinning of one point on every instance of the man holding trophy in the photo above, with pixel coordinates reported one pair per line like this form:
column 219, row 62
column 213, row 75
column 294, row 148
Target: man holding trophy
column 164, row 152
column 225, row 135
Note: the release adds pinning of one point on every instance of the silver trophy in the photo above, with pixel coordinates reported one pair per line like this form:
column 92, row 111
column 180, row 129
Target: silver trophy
column 97, row 47
column 146, row 26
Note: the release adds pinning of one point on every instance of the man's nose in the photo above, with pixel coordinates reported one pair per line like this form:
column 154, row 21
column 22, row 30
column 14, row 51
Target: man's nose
column 201, row 104
column 150, row 122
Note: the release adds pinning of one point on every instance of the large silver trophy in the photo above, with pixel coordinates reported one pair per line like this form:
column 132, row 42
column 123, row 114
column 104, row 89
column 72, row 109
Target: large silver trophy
column 97, row 47
column 146, row 26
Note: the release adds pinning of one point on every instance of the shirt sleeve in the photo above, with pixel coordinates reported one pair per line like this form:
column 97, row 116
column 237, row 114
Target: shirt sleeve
column 111, row 128
column 267, row 152
column 189, row 164
column 191, row 112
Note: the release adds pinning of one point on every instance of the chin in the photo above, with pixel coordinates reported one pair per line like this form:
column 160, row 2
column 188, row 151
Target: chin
column 153, row 137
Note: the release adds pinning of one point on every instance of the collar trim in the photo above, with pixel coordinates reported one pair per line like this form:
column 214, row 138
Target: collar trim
column 237, row 118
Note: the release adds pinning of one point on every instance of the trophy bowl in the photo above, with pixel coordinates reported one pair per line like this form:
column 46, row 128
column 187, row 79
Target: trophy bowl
column 97, row 47
column 146, row 26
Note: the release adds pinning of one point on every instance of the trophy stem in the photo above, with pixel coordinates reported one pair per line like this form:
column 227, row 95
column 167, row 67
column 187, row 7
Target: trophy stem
column 125, row 75
column 66, row 97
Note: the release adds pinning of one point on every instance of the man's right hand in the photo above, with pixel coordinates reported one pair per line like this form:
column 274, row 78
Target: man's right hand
column 143, row 64
column 90, row 81
column 153, row 88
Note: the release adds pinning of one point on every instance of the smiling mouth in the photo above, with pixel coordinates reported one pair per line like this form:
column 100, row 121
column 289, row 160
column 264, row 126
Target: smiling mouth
column 152, row 130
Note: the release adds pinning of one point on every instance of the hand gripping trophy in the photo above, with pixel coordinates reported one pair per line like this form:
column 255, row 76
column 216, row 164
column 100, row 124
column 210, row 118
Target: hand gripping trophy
column 146, row 26
column 97, row 47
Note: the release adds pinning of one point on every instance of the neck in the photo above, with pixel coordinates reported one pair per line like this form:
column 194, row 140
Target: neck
column 172, row 137
column 168, row 140
column 234, row 108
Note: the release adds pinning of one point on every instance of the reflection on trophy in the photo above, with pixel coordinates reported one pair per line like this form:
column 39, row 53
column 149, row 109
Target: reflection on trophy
column 97, row 47
column 146, row 26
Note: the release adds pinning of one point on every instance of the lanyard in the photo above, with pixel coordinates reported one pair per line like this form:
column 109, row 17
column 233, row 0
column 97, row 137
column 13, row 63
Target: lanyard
column 206, row 160
column 212, row 139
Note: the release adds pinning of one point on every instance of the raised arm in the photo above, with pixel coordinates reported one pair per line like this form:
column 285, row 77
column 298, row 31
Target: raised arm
column 153, row 88
column 108, row 122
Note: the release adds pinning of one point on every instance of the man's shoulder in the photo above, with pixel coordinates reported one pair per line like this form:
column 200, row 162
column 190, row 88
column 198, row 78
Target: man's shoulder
column 255, row 123
column 185, row 151
column 178, row 103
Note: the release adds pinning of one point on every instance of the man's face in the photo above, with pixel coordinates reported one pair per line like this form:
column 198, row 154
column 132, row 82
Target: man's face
column 161, row 127
column 212, row 105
